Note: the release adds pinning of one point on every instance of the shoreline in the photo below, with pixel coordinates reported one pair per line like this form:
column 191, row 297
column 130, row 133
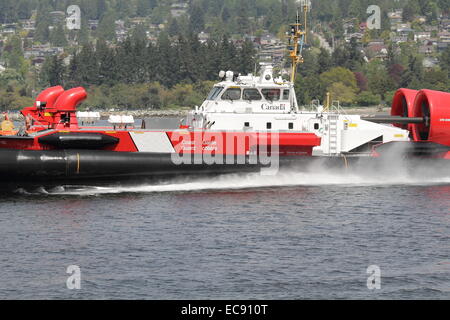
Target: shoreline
column 140, row 114
column 137, row 114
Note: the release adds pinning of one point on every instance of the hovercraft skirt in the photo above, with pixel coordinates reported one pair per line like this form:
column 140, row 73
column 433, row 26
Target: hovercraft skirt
column 73, row 164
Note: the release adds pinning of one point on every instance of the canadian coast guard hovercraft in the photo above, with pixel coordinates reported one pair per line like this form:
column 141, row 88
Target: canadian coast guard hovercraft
column 247, row 123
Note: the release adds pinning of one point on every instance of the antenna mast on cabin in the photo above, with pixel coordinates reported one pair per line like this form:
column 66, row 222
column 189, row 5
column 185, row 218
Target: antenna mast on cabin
column 297, row 37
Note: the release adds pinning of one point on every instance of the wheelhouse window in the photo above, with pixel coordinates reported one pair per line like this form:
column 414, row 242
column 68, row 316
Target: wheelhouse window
column 286, row 94
column 232, row 94
column 271, row 94
column 214, row 93
column 251, row 94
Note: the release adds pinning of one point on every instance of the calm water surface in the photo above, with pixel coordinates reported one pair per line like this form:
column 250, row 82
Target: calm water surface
column 294, row 236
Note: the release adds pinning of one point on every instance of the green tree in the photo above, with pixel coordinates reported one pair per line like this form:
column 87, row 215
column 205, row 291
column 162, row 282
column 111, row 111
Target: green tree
column 410, row 10
column 247, row 56
column 339, row 74
column 167, row 62
column 123, row 8
column 242, row 21
column 142, row 8
column 24, row 9
column 225, row 14
column 107, row 27
column 196, row 17
column 445, row 60
column 412, row 76
column 324, row 61
column 344, row 94
column 86, row 67
column 58, row 36
column 42, row 33
column 13, row 53
column 173, row 28
column 367, row 98
column 308, row 89
column 53, row 72
column 436, row 80
column 227, row 53
column 356, row 10
column 380, row 83
column 107, row 64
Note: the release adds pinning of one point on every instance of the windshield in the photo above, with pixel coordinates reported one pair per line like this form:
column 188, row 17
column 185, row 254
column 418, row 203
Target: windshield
column 251, row 94
column 271, row 94
column 214, row 93
column 232, row 94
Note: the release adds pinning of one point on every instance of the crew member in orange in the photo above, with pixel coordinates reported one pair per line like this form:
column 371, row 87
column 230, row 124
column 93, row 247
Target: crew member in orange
column 7, row 126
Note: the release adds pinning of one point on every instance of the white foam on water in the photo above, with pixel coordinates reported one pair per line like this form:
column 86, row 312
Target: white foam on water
column 256, row 180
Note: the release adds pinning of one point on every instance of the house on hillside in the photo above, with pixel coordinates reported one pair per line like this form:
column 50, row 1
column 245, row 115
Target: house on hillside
column 421, row 19
column 404, row 29
column 57, row 17
column 43, row 51
column 442, row 46
column 376, row 49
column 430, row 63
column 445, row 24
column 363, row 27
column 399, row 39
column 28, row 25
column 395, row 17
column 179, row 9
column 356, row 35
column 203, row 37
column 422, row 36
column 93, row 24
column 37, row 62
column 9, row 29
column 444, row 36
column 427, row 48
column 139, row 20
column 349, row 26
column 121, row 30
column 267, row 39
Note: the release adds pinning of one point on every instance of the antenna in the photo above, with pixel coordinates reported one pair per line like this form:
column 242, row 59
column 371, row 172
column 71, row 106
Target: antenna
column 297, row 38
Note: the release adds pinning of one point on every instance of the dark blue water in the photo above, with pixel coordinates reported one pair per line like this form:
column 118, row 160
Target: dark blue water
column 296, row 236
column 291, row 236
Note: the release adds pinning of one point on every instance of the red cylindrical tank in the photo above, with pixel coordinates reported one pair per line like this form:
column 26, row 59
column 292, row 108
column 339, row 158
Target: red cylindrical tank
column 403, row 104
column 49, row 96
column 436, row 106
column 70, row 99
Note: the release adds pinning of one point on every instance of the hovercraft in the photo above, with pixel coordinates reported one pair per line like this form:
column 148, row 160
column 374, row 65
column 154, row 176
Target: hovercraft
column 247, row 123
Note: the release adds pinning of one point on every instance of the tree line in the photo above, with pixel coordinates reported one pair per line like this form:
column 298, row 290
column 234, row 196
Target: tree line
column 137, row 63
column 353, row 81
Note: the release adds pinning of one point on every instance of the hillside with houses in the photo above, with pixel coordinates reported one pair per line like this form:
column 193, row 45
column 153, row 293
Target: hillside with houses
column 162, row 54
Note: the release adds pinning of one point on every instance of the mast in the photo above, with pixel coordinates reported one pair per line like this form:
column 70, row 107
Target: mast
column 297, row 39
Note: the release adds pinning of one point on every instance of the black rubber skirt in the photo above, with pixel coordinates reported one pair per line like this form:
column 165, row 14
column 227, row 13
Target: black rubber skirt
column 79, row 166
column 82, row 164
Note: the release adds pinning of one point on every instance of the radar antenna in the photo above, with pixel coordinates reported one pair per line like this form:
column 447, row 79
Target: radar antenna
column 298, row 37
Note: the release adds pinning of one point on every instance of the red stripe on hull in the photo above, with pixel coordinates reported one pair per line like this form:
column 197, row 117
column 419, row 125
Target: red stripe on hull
column 243, row 143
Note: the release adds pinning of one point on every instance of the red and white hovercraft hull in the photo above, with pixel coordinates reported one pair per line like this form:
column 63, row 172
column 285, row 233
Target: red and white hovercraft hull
column 53, row 148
